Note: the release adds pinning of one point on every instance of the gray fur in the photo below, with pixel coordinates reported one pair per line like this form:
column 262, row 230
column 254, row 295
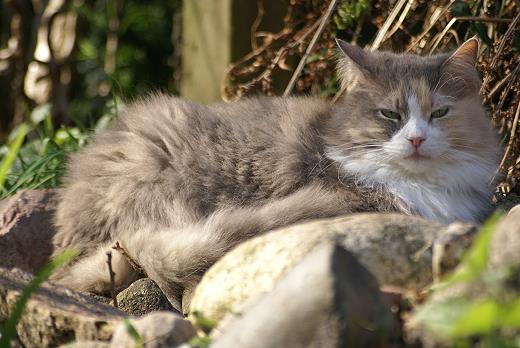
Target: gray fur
column 179, row 184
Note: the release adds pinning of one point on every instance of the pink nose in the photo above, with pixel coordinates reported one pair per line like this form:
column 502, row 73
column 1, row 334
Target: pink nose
column 416, row 141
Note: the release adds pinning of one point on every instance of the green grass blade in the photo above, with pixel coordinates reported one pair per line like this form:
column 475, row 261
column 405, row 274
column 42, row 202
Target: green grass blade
column 28, row 175
column 36, row 282
column 9, row 159
column 130, row 329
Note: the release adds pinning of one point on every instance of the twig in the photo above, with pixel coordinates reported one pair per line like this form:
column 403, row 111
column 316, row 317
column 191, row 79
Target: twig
column 494, row 62
column 266, row 73
column 511, row 137
column 442, row 34
column 512, row 79
column 498, row 86
column 301, row 64
column 484, row 19
column 128, row 258
column 508, row 32
column 256, row 24
column 112, row 278
column 400, row 21
column 432, row 24
column 386, row 26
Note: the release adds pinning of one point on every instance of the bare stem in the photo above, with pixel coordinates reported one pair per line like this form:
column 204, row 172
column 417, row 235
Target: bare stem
column 132, row 262
column 112, row 278
column 301, row 64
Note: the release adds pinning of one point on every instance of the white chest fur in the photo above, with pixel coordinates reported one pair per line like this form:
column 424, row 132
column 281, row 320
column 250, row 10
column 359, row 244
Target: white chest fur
column 456, row 192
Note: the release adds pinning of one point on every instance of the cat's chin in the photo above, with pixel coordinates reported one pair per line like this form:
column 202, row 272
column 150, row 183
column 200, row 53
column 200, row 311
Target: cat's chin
column 417, row 164
column 417, row 157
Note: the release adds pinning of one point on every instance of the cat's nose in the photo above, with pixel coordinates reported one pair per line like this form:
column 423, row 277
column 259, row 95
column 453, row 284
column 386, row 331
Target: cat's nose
column 416, row 141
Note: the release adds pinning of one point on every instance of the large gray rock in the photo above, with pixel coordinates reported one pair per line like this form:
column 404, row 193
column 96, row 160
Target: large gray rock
column 156, row 329
column 505, row 243
column 328, row 300
column 397, row 249
column 55, row 315
column 142, row 297
column 26, row 229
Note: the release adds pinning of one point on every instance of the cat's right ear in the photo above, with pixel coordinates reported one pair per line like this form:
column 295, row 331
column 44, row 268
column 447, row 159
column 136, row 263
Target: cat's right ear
column 353, row 62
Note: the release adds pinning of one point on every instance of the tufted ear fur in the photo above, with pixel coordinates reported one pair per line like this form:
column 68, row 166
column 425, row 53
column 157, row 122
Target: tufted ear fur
column 458, row 71
column 353, row 62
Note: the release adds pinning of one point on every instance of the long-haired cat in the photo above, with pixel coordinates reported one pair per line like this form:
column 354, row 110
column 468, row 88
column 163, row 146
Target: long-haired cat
column 178, row 184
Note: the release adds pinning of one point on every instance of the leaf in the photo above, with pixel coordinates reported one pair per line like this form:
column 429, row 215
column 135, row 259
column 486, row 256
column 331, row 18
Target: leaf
column 130, row 329
column 479, row 318
column 439, row 317
column 511, row 315
column 475, row 260
column 34, row 284
column 9, row 158
column 460, row 8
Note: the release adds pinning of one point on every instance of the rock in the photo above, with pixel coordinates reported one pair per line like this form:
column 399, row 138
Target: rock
column 506, row 202
column 100, row 298
column 86, row 344
column 55, row 315
column 26, row 229
column 327, row 300
column 397, row 249
column 157, row 329
column 142, row 297
column 505, row 242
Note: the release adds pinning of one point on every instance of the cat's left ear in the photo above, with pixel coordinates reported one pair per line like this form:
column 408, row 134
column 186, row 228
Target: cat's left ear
column 460, row 68
column 466, row 54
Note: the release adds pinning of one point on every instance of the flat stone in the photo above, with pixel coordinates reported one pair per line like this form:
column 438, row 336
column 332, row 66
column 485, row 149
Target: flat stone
column 55, row 315
column 328, row 300
column 26, row 229
column 157, row 329
column 142, row 297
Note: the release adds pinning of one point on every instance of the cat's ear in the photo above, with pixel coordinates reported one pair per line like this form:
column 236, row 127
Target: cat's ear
column 353, row 63
column 354, row 54
column 466, row 54
column 459, row 68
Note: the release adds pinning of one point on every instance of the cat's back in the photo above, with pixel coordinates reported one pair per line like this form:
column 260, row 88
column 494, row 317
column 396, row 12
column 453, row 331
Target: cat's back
column 163, row 150
column 160, row 113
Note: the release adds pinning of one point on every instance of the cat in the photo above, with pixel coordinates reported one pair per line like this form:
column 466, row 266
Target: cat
column 179, row 184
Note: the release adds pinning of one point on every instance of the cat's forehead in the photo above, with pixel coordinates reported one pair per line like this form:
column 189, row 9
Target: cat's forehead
column 393, row 70
column 417, row 89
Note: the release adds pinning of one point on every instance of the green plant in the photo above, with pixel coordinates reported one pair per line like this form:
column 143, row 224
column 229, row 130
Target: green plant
column 351, row 11
column 491, row 317
column 37, row 155
column 130, row 329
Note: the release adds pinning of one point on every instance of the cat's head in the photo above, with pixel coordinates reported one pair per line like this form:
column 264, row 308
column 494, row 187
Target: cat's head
column 410, row 115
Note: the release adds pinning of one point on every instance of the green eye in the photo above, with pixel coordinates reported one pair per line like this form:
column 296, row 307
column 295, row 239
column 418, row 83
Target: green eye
column 390, row 114
column 439, row 113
